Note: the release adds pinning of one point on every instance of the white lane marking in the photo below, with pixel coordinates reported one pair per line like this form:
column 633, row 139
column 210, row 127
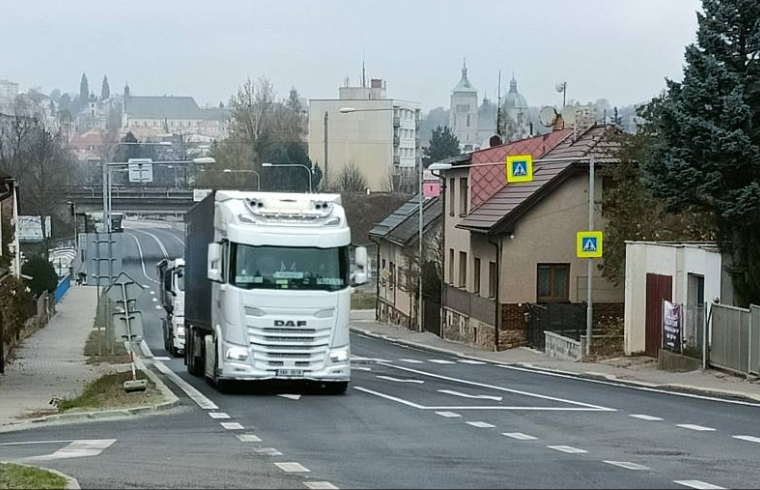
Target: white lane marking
column 648, row 418
column 152, row 293
column 367, row 359
column 319, row 485
column 290, row 397
column 575, row 377
column 628, row 466
column 411, row 361
column 33, row 443
column 473, row 362
column 359, row 368
column 159, row 242
column 146, row 350
column 389, row 397
column 748, row 438
column 218, row 415
column 158, row 307
column 155, row 300
column 699, row 485
column 499, row 388
column 520, row 436
column 472, row 397
column 267, row 451
column 448, row 415
column 232, row 426
column 162, row 358
column 481, row 425
column 568, row 449
column 292, row 467
column 413, row 381
column 248, row 438
column 194, row 394
column 77, row 449
column 440, row 361
column 142, row 259
column 698, row 428
column 527, row 409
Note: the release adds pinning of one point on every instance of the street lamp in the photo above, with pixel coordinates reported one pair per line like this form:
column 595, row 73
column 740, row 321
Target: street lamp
column 310, row 171
column 258, row 177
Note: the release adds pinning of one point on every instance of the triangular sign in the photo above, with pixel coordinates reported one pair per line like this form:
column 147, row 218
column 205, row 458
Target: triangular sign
column 589, row 245
column 519, row 169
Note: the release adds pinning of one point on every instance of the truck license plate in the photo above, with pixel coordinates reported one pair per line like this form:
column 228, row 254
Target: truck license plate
column 290, row 372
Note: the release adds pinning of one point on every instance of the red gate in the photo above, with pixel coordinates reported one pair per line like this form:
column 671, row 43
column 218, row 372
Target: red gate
column 659, row 289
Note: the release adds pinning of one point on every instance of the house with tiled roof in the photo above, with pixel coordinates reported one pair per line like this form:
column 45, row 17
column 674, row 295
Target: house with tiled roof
column 508, row 246
column 397, row 238
column 9, row 213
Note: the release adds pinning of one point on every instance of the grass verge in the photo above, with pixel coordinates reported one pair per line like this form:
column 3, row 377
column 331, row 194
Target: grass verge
column 97, row 350
column 362, row 300
column 13, row 476
column 108, row 393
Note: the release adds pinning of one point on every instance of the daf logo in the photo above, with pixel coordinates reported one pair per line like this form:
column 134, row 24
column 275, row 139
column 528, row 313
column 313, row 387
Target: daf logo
column 289, row 323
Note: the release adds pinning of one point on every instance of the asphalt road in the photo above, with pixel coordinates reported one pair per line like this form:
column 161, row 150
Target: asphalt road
column 411, row 419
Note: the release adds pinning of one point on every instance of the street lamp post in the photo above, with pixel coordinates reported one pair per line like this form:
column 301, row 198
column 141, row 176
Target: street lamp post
column 310, row 171
column 258, row 176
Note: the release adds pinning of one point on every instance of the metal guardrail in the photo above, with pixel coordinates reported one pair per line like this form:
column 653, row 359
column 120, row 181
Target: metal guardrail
column 63, row 287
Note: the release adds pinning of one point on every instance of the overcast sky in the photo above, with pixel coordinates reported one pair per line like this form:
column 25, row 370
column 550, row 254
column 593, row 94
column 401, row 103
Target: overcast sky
column 620, row 50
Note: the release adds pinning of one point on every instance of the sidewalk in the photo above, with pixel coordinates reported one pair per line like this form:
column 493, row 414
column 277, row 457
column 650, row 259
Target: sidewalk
column 631, row 370
column 50, row 363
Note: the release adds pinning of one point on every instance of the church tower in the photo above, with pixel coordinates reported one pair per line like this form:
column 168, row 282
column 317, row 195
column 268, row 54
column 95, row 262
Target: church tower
column 463, row 112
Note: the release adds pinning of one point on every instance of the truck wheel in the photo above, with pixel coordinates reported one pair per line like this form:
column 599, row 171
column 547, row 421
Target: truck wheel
column 336, row 388
column 167, row 344
column 191, row 357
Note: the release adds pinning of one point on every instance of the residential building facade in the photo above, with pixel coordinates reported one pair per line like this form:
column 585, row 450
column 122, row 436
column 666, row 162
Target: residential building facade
column 379, row 138
column 493, row 266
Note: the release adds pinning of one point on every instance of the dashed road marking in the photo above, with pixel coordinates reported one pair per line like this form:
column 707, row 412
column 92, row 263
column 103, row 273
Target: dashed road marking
column 77, row 449
column 232, row 426
column 440, row 361
column 397, row 380
column 472, row 397
column 249, row 438
column 520, row 436
column 152, row 293
column 218, row 415
column 698, row 428
column 389, row 397
column 267, row 451
column 412, row 361
column 448, row 415
column 627, row 465
column 319, row 485
column 473, row 362
column 158, row 307
column 155, row 300
column 568, row 449
column 481, row 425
column 162, row 358
column 290, row 397
column 699, row 485
column 292, row 467
column 194, row 394
column 748, row 438
column 359, row 368
column 648, row 418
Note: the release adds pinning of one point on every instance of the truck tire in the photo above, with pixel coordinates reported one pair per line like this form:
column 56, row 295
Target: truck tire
column 336, row 389
column 194, row 367
column 167, row 344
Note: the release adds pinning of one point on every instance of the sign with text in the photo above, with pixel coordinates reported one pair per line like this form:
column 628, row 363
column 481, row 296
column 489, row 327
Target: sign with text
column 140, row 170
column 671, row 323
column 519, row 168
column 589, row 244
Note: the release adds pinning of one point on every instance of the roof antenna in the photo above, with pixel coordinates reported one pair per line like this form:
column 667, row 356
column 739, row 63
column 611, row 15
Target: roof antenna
column 498, row 108
column 364, row 71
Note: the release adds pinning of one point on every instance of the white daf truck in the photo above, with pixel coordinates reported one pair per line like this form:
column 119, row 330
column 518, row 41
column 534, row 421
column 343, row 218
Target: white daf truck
column 171, row 275
column 268, row 288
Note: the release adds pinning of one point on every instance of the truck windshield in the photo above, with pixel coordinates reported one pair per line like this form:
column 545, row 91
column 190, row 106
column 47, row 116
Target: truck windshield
column 265, row 267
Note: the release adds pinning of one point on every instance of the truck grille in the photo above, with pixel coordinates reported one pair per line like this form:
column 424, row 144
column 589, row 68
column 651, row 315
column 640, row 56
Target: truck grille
column 304, row 348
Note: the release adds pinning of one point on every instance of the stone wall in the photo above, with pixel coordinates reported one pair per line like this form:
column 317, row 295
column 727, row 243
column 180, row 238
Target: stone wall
column 608, row 313
column 388, row 314
column 563, row 348
column 457, row 327
column 512, row 332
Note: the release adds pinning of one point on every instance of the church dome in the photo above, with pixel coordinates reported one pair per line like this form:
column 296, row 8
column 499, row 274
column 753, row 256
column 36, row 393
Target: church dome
column 464, row 85
column 514, row 99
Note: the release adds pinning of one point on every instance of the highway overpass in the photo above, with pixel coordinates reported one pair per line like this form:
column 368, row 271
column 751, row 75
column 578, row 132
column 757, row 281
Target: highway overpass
column 134, row 201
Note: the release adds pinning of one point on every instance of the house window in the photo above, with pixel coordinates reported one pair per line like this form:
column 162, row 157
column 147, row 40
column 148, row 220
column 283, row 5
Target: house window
column 451, row 266
column 463, row 270
column 476, row 276
column 451, row 200
column 463, row 196
column 553, row 283
column 492, row 279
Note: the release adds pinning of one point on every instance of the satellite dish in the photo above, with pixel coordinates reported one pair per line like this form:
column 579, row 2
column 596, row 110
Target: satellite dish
column 561, row 86
column 548, row 116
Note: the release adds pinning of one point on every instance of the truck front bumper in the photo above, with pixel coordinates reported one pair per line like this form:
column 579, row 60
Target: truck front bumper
column 333, row 373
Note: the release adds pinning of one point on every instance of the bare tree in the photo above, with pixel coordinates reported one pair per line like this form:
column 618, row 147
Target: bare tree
column 351, row 179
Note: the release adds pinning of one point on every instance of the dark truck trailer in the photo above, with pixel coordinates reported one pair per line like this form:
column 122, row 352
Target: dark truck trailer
column 199, row 231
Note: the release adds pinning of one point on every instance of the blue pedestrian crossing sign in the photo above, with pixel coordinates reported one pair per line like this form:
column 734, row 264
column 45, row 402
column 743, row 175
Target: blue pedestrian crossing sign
column 520, row 168
column 590, row 244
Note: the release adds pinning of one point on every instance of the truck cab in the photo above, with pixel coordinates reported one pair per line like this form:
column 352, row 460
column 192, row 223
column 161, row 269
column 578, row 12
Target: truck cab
column 171, row 275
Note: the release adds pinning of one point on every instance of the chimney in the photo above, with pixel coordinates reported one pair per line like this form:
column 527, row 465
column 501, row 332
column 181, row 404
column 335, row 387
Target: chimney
column 585, row 119
column 559, row 123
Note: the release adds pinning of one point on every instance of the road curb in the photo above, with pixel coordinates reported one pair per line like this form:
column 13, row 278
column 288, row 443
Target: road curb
column 170, row 401
column 588, row 375
column 71, row 482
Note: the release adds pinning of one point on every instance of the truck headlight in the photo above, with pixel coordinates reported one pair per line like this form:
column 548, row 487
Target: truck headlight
column 341, row 354
column 237, row 353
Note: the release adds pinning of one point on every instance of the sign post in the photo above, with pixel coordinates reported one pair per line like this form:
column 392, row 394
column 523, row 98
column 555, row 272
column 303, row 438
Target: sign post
column 125, row 292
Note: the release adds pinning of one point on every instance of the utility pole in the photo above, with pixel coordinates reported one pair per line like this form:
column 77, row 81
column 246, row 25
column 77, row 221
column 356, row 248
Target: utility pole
column 590, row 264
column 326, row 176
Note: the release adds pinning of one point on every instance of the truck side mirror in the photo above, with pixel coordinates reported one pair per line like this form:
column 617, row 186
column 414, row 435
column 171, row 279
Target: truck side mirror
column 214, row 260
column 360, row 261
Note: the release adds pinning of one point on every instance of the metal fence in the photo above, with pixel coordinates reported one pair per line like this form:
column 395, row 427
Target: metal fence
column 566, row 319
column 735, row 338
column 62, row 289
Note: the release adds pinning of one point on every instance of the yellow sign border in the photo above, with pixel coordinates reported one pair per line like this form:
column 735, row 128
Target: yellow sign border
column 581, row 235
column 511, row 178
